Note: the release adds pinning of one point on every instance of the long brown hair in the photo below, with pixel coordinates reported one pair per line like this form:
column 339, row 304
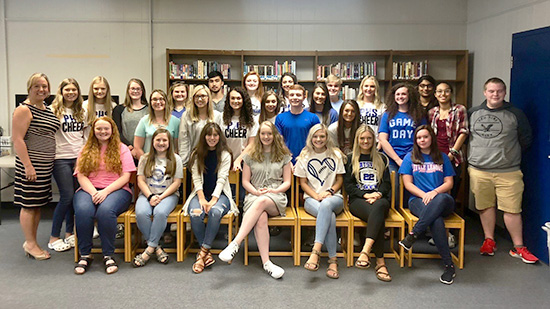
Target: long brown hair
column 415, row 109
column 278, row 146
column 58, row 106
column 340, row 132
column 263, row 111
column 167, row 110
column 128, row 100
column 152, row 155
column 201, row 150
column 435, row 154
column 171, row 104
column 88, row 162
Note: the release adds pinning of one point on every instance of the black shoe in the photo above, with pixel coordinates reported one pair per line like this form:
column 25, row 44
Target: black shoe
column 448, row 274
column 408, row 241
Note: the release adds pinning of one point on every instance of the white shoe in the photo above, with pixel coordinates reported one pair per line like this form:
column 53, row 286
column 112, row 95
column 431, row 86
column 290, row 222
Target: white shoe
column 274, row 270
column 229, row 252
column 70, row 240
column 173, row 227
column 356, row 240
column 96, row 233
column 59, row 246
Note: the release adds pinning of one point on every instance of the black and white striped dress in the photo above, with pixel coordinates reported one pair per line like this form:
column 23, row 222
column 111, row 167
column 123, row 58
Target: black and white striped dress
column 40, row 141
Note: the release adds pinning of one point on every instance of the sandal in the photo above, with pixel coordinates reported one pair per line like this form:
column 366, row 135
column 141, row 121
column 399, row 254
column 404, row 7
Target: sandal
column 140, row 261
column 108, row 262
column 162, row 256
column 80, row 265
column 208, row 259
column 382, row 275
column 313, row 266
column 363, row 264
column 198, row 266
column 333, row 273
column 59, row 246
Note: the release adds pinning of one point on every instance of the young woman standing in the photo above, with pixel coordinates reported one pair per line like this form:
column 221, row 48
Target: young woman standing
column 342, row 132
column 370, row 103
column 99, row 94
column 177, row 98
column 255, row 89
column 270, row 107
column 69, row 139
column 320, row 105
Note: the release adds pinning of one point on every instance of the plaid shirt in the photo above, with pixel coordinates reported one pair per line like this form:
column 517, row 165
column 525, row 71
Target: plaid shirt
column 456, row 124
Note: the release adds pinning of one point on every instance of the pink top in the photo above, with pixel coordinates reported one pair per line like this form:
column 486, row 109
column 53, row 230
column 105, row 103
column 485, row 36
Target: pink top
column 102, row 178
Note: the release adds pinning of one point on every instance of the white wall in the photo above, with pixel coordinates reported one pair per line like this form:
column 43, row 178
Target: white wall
column 491, row 24
column 85, row 38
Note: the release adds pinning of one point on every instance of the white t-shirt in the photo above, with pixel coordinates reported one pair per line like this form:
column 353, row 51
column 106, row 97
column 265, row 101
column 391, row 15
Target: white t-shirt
column 256, row 105
column 371, row 116
column 159, row 181
column 100, row 110
column 333, row 133
column 237, row 136
column 71, row 136
column 320, row 171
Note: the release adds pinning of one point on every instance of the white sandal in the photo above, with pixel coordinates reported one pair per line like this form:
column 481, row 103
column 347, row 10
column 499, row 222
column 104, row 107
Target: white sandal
column 70, row 240
column 59, row 246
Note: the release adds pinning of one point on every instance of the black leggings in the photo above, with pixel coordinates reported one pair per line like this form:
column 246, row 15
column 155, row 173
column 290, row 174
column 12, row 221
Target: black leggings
column 374, row 215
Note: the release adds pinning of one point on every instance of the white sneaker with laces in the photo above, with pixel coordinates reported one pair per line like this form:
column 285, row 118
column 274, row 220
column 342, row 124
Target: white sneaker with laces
column 451, row 240
column 229, row 252
column 274, row 270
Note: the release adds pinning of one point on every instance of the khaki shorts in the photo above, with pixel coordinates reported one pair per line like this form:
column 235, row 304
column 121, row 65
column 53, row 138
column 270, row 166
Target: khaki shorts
column 504, row 190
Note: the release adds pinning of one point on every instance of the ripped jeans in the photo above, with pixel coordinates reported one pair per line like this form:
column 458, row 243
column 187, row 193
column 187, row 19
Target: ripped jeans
column 206, row 233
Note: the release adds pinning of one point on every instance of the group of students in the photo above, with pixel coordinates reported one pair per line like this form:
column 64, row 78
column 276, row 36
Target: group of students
column 327, row 142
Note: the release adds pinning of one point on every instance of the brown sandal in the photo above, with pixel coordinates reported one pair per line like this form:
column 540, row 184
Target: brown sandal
column 208, row 259
column 363, row 264
column 331, row 273
column 382, row 275
column 313, row 266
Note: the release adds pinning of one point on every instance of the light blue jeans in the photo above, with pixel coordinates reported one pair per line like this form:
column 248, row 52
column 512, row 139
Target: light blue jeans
column 325, row 226
column 151, row 221
column 206, row 233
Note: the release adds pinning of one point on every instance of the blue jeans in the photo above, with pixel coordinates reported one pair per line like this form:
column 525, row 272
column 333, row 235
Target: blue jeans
column 325, row 226
column 151, row 221
column 206, row 233
column 432, row 215
column 67, row 184
column 105, row 213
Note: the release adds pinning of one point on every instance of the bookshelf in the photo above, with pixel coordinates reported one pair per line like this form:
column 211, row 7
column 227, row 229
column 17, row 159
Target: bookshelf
column 444, row 65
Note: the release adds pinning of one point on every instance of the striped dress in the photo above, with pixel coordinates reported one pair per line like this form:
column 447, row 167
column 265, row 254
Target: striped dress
column 40, row 141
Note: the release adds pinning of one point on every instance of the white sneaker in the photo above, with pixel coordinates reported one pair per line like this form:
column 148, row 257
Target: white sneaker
column 356, row 239
column 229, row 252
column 96, row 233
column 274, row 270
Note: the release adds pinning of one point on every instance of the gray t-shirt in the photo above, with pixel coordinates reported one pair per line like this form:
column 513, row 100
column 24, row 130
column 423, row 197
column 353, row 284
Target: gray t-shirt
column 159, row 181
column 130, row 121
column 219, row 106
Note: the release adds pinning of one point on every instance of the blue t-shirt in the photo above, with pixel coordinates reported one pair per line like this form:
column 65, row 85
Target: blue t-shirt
column 294, row 129
column 400, row 130
column 428, row 175
column 178, row 114
column 337, row 105
column 332, row 114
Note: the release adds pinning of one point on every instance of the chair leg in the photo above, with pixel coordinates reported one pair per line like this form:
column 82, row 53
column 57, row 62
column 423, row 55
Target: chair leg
column 401, row 249
column 246, row 251
column 297, row 244
column 461, row 246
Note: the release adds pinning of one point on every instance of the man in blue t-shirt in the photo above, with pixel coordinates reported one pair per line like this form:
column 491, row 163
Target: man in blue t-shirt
column 294, row 125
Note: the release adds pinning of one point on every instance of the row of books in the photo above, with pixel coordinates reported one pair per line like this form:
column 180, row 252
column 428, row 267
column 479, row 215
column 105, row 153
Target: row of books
column 410, row 69
column 347, row 70
column 271, row 72
column 198, row 70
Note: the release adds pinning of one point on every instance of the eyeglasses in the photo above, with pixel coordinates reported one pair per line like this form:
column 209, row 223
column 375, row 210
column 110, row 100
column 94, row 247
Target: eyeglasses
column 446, row 91
column 135, row 89
column 201, row 96
column 157, row 100
column 430, row 86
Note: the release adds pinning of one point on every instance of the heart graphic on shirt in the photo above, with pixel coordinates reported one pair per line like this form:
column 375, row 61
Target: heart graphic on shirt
column 321, row 169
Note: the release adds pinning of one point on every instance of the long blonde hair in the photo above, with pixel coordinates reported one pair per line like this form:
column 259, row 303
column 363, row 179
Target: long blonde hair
column 152, row 155
column 88, row 162
column 58, row 106
column 278, row 147
column 309, row 149
column 376, row 157
column 91, row 99
column 167, row 110
column 193, row 112
column 377, row 100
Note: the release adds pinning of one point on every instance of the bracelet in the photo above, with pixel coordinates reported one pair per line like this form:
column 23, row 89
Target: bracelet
column 150, row 197
column 454, row 151
column 331, row 191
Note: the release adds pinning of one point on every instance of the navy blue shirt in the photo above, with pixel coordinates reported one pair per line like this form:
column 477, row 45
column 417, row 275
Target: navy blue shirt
column 210, row 175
